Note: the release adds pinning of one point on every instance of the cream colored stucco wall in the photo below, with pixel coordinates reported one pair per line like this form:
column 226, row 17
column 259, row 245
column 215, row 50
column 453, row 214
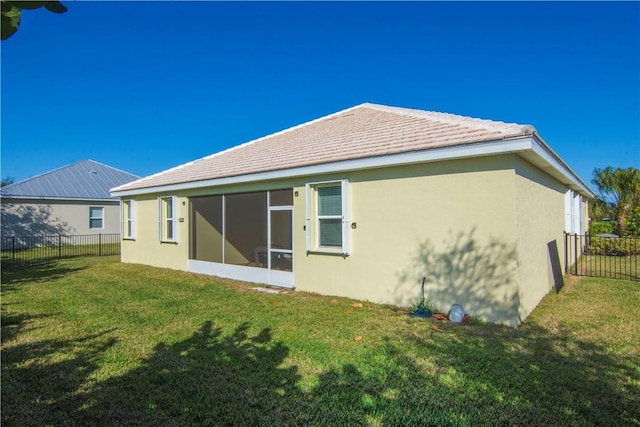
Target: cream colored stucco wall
column 451, row 222
column 477, row 230
column 147, row 248
column 61, row 217
column 540, row 214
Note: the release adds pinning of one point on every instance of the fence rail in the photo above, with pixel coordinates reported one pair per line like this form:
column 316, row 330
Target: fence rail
column 600, row 256
column 32, row 248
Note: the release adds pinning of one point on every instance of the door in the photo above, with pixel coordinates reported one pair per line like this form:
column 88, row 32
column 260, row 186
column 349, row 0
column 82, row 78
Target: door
column 280, row 248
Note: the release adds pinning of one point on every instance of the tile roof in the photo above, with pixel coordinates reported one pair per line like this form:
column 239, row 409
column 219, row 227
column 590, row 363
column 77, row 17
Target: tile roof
column 86, row 179
column 366, row 130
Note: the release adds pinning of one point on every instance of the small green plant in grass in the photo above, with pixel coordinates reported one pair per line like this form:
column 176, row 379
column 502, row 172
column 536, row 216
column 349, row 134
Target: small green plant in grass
column 423, row 306
column 426, row 303
column 476, row 320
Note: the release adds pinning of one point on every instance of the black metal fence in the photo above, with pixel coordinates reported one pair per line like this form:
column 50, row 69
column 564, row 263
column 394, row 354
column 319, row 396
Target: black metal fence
column 602, row 256
column 32, row 248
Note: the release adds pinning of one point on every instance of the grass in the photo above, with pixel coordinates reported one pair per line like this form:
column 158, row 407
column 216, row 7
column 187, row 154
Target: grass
column 93, row 342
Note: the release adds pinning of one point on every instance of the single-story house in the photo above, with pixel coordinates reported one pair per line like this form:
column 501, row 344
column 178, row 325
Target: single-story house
column 71, row 200
column 369, row 203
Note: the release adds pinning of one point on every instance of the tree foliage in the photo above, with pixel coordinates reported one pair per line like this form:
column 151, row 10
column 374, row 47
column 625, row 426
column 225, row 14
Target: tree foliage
column 6, row 181
column 618, row 194
column 12, row 13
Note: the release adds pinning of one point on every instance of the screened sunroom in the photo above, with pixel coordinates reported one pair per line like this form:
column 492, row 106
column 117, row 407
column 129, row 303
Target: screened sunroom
column 245, row 236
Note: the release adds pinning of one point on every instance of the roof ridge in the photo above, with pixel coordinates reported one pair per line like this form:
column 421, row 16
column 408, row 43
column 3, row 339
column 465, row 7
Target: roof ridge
column 31, row 178
column 58, row 169
column 361, row 137
column 85, row 178
column 237, row 147
column 467, row 121
column 280, row 132
column 145, row 178
column 108, row 166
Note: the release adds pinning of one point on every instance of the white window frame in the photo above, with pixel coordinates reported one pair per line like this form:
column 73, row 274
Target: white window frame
column 573, row 222
column 163, row 220
column 577, row 213
column 313, row 218
column 127, row 219
column 101, row 217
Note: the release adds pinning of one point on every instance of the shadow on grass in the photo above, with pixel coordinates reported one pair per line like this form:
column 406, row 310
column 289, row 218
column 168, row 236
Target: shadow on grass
column 460, row 376
column 464, row 375
column 530, row 376
column 206, row 379
column 17, row 272
column 40, row 379
column 13, row 324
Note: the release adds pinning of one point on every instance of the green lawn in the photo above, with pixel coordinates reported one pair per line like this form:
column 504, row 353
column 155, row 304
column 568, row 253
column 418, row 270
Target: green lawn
column 95, row 342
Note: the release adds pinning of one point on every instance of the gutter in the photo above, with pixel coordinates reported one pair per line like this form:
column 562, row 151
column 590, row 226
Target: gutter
column 61, row 199
column 543, row 150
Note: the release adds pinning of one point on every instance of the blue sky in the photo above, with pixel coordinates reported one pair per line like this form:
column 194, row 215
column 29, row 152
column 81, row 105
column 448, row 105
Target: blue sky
column 145, row 86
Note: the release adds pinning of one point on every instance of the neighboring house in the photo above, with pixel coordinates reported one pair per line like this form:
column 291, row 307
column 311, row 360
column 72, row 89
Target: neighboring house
column 71, row 200
column 365, row 203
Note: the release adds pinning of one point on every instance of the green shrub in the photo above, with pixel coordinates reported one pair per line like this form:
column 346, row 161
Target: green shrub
column 632, row 223
column 614, row 246
column 602, row 227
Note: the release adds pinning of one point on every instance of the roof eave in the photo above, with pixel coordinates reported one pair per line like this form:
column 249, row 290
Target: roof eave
column 558, row 168
column 530, row 144
column 60, row 199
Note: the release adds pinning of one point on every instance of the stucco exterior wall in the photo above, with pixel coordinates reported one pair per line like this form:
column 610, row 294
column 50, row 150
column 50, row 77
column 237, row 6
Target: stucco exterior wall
column 147, row 248
column 479, row 231
column 540, row 209
column 450, row 222
column 26, row 217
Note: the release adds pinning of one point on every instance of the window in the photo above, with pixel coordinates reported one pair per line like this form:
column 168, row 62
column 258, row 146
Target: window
column 167, row 219
column 573, row 212
column 128, row 219
column 327, row 217
column 95, row 217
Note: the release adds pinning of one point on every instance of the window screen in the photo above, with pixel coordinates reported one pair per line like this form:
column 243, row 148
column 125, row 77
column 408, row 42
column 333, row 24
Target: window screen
column 330, row 216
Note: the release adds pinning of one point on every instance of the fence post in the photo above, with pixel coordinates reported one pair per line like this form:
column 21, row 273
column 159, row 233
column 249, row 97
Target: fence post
column 13, row 248
column 59, row 245
column 566, row 253
column 99, row 244
column 575, row 253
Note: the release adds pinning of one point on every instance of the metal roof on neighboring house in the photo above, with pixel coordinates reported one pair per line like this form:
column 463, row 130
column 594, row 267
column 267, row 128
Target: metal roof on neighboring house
column 366, row 131
column 86, row 180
